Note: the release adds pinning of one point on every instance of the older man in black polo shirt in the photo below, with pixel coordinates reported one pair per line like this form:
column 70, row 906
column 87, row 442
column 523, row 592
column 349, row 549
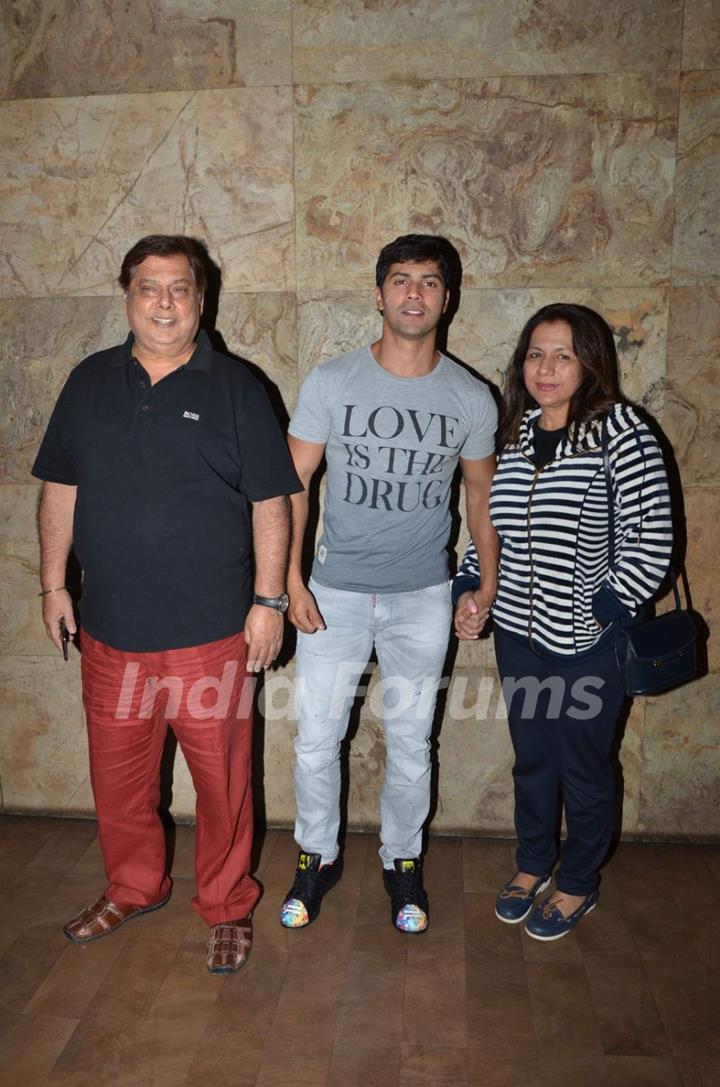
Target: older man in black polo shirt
column 152, row 456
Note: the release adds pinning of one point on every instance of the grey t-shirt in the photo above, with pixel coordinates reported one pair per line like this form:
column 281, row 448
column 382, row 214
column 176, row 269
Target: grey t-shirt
column 392, row 445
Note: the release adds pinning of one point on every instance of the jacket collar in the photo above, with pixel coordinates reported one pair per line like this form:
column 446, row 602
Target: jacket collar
column 585, row 438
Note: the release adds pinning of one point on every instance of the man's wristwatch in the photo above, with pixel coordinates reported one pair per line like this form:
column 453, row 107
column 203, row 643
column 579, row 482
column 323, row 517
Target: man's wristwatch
column 279, row 603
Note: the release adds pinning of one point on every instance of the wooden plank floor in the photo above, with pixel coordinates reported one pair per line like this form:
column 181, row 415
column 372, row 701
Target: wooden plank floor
column 630, row 999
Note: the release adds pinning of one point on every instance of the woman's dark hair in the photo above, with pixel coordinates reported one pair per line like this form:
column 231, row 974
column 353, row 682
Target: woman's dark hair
column 594, row 345
column 415, row 248
column 166, row 245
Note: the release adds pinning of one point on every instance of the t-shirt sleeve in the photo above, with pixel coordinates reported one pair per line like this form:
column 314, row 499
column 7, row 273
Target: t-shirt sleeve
column 267, row 467
column 480, row 442
column 311, row 421
column 55, row 462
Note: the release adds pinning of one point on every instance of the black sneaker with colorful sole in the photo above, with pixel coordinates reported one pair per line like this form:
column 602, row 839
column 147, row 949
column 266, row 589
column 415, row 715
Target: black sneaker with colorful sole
column 409, row 907
column 312, row 882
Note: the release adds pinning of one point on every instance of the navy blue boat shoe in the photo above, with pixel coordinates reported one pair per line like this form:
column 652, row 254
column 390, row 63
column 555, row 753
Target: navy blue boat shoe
column 514, row 902
column 548, row 923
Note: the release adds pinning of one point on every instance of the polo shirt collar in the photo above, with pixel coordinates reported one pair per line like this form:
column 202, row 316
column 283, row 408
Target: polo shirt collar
column 201, row 358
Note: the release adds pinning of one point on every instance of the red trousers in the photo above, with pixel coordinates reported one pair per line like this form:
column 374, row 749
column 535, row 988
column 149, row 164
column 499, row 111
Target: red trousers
column 205, row 693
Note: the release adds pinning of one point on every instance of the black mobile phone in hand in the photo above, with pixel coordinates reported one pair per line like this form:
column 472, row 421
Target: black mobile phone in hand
column 64, row 638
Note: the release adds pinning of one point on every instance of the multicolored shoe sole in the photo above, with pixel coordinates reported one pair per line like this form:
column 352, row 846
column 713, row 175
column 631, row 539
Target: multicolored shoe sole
column 411, row 919
column 293, row 914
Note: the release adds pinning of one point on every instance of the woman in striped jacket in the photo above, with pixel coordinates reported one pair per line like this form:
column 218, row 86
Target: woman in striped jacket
column 559, row 601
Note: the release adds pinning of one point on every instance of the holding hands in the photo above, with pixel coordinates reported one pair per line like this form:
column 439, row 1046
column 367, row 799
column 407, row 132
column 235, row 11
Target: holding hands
column 472, row 612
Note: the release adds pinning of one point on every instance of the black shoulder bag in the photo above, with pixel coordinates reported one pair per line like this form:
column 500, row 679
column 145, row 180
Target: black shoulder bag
column 659, row 653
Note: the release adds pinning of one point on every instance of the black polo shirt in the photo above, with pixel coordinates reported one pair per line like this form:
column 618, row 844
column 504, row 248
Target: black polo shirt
column 164, row 476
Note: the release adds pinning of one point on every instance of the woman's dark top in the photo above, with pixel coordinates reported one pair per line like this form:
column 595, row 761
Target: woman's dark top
column 545, row 443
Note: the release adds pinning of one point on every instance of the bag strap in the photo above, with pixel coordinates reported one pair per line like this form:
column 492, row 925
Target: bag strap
column 605, row 446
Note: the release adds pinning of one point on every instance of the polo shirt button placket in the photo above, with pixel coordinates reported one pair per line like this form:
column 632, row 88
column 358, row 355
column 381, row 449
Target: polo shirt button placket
column 141, row 421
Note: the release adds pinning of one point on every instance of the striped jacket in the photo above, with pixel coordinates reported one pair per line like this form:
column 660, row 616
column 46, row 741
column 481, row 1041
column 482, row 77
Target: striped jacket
column 554, row 580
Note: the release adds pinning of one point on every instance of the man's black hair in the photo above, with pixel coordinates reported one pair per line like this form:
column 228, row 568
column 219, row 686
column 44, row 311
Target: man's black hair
column 413, row 248
column 166, row 245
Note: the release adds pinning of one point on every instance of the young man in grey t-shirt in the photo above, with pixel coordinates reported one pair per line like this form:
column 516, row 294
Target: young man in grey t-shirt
column 393, row 420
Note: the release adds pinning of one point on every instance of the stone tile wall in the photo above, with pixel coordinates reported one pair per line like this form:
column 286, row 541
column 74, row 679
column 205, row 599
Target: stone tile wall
column 566, row 154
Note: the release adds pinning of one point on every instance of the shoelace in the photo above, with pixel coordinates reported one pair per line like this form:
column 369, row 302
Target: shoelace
column 408, row 885
column 552, row 907
column 515, row 891
column 549, row 908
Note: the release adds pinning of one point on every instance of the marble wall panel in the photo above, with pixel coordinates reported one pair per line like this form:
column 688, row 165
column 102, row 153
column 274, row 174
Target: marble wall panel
column 531, row 179
column 21, row 627
column 696, row 248
column 339, row 42
column 66, row 166
column 701, row 34
column 40, row 341
column 275, row 727
column 702, row 515
column 278, row 761
column 54, row 48
column 474, row 756
column 692, row 413
column 43, row 756
column 331, row 323
column 82, row 179
column 680, row 788
column 262, row 329
column 631, row 765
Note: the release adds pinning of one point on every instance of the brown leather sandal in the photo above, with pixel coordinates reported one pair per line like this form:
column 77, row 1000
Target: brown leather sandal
column 229, row 945
column 103, row 917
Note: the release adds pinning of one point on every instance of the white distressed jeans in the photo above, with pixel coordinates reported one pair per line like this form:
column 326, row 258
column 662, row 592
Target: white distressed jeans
column 410, row 633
